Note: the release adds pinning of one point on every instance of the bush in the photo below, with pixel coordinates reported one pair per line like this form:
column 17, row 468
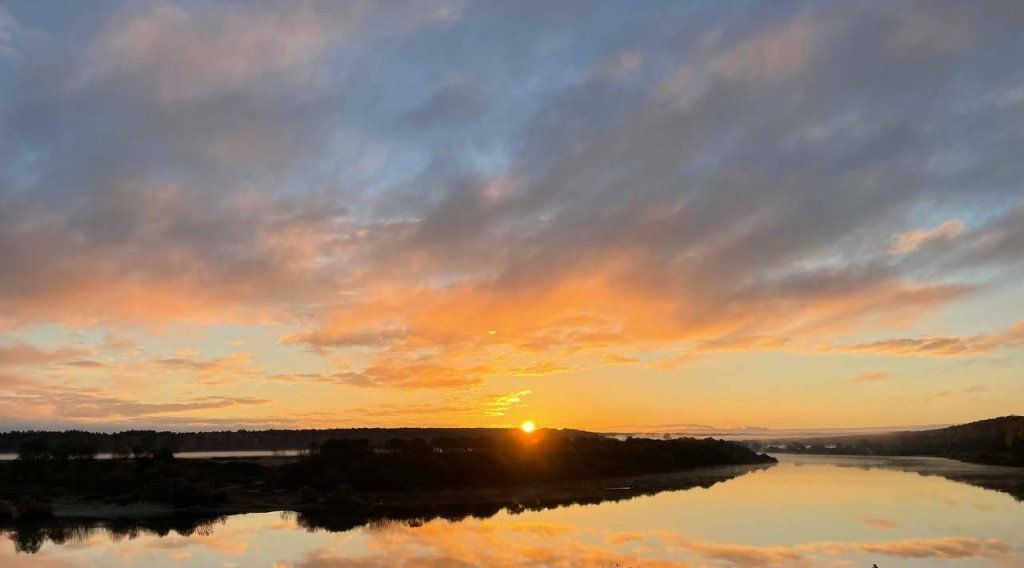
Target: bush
column 6, row 510
column 340, row 497
column 29, row 508
column 35, row 449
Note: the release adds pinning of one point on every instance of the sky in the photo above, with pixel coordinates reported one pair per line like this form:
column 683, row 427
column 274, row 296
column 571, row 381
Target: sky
column 615, row 216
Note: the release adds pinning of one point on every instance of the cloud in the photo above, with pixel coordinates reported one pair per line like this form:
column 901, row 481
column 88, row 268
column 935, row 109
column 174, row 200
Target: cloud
column 808, row 553
column 418, row 373
column 881, row 524
column 998, row 243
column 618, row 67
column 940, row 346
column 872, row 376
column 91, row 405
column 478, row 543
column 27, row 355
column 237, row 262
column 911, row 241
column 511, row 543
column 449, row 411
column 105, row 364
column 382, row 186
column 90, row 383
column 934, row 33
column 411, row 375
column 778, row 53
column 11, row 380
column 587, row 313
column 946, row 548
column 503, row 403
column 154, row 254
column 618, row 359
column 181, row 55
column 9, row 27
column 227, row 369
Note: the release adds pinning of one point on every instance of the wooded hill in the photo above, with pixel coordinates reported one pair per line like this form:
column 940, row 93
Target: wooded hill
column 997, row 441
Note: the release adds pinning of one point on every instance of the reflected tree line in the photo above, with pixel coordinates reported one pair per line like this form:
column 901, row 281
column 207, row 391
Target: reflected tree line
column 29, row 537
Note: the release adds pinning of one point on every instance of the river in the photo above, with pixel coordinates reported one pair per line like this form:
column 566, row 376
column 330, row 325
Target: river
column 804, row 511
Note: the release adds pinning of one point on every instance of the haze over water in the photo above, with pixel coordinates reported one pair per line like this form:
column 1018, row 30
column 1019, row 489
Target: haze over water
column 805, row 511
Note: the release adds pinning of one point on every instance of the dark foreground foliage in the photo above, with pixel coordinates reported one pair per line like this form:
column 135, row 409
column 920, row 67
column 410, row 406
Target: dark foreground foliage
column 340, row 472
column 515, row 459
column 156, row 477
column 78, row 442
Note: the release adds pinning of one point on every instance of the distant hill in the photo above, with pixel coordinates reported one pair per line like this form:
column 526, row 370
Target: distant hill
column 997, row 441
column 237, row 440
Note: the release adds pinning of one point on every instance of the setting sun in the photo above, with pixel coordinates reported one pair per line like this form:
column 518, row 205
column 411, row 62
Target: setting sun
column 528, row 426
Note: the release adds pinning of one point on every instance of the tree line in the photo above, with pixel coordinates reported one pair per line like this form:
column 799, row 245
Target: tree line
column 140, row 441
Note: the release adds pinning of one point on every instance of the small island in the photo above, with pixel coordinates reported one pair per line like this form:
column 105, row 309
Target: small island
column 348, row 475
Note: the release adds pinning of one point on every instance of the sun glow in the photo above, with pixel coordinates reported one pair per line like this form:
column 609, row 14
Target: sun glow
column 528, row 426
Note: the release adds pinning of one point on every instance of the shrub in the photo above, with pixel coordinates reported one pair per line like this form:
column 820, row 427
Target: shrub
column 6, row 510
column 29, row 508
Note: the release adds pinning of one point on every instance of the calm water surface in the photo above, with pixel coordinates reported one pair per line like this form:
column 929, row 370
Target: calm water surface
column 805, row 511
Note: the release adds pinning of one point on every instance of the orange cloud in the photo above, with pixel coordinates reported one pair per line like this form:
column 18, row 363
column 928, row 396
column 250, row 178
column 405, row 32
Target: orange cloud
column 93, row 405
column 226, row 50
column 807, row 554
column 458, row 334
column 883, row 524
column 24, row 354
column 738, row 555
column 172, row 254
column 513, row 544
column 872, row 376
column 778, row 53
column 982, row 344
column 904, row 243
column 945, row 547
column 729, row 185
